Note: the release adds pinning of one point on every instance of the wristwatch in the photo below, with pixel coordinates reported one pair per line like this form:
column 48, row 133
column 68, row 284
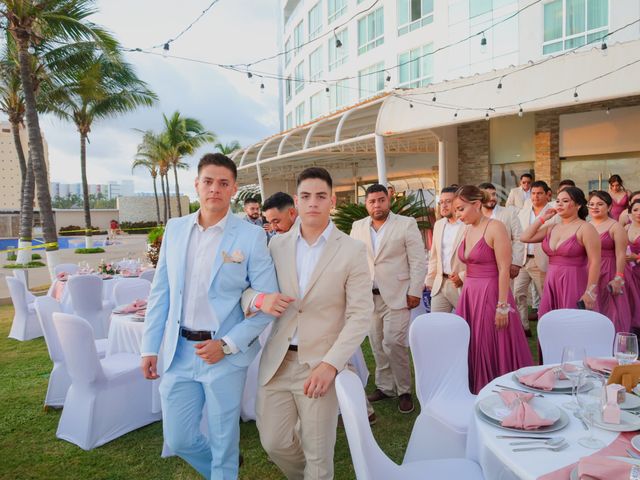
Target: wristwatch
column 226, row 349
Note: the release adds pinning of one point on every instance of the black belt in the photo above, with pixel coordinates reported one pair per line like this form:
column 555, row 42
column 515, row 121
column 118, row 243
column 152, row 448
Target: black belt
column 445, row 275
column 196, row 335
column 375, row 291
column 530, row 256
column 293, row 348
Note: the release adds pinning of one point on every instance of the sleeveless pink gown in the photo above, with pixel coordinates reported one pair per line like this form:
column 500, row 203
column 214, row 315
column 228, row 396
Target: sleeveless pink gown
column 632, row 284
column 615, row 307
column 566, row 278
column 492, row 352
column 618, row 207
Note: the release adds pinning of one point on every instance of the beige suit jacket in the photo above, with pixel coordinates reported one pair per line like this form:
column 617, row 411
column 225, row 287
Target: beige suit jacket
column 434, row 276
column 509, row 216
column 332, row 317
column 516, row 198
column 542, row 260
column 400, row 263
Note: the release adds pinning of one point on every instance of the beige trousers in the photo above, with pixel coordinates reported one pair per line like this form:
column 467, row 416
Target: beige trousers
column 388, row 338
column 528, row 273
column 297, row 432
column 446, row 299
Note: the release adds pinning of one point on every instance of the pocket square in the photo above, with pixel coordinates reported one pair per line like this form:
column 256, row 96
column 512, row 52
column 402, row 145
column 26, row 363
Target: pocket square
column 234, row 257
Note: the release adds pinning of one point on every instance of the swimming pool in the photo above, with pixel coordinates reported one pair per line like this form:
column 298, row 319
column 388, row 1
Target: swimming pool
column 63, row 243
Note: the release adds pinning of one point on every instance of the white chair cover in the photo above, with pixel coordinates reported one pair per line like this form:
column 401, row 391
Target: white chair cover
column 440, row 345
column 22, row 276
column 148, row 274
column 25, row 324
column 70, row 268
column 580, row 328
column 59, row 380
column 370, row 462
column 107, row 397
column 126, row 290
column 86, row 300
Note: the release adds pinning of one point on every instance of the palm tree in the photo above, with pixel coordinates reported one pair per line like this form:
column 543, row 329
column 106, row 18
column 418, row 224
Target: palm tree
column 152, row 151
column 184, row 136
column 32, row 24
column 152, row 167
column 228, row 148
column 103, row 88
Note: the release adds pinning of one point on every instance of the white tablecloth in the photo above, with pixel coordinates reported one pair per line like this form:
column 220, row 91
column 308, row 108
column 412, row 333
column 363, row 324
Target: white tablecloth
column 499, row 462
column 65, row 301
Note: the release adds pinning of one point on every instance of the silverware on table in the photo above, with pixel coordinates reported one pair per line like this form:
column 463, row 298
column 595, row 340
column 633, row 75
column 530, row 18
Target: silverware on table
column 552, row 442
column 553, row 449
column 519, row 390
column 524, row 436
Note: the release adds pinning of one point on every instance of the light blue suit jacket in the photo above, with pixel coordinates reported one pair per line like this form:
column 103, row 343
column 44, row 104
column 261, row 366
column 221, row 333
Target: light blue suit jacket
column 228, row 281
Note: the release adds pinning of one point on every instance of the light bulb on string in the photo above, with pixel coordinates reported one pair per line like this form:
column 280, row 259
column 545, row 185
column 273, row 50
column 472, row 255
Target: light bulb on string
column 486, row 116
column 604, row 48
column 338, row 42
column 410, row 105
column 434, row 98
column 387, row 79
column 165, row 49
column 576, row 98
column 520, row 112
column 483, row 44
column 455, row 115
column 262, row 88
column 327, row 91
column 251, row 77
column 499, row 87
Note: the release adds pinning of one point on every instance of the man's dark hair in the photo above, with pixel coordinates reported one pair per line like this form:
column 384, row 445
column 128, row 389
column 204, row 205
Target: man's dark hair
column 541, row 184
column 528, row 175
column 486, row 186
column 315, row 172
column 452, row 189
column 376, row 187
column 219, row 160
column 279, row 200
column 567, row 182
column 249, row 200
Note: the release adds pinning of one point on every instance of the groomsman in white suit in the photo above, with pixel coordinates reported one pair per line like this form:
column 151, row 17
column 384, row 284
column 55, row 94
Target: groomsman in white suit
column 396, row 258
column 519, row 195
column 446, row 271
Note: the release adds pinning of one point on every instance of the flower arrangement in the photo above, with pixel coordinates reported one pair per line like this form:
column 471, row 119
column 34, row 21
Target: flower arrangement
column 107, row 268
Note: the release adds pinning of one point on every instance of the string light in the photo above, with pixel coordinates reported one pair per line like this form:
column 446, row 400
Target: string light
column 575, row 95
column 434, row 98
column 483, row 44
column 410, row 105
column 520, row 112
column 165, row 45
column 455, row 115
column 262, row 88
column 499, row 87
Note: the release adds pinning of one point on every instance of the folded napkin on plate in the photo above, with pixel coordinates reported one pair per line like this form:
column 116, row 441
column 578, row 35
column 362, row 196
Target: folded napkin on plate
column 601, row 364
column 544, row 379
column 603, row 468
column 136, row 306
column 522, row 414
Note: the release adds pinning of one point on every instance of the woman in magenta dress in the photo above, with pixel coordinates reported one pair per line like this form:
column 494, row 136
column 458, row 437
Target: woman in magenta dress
column 573, row 247
column 619, row 195
column 612, row 301
column 632, row 268
column 625, row 216
column 498, row 342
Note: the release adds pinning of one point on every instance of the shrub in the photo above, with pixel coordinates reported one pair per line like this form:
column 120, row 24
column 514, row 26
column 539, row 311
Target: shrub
column 36, row 256
column 75, row 231
column 12, row 257
column 155, row 241
column 25, row 265
column 89, row 250
column 137, row 227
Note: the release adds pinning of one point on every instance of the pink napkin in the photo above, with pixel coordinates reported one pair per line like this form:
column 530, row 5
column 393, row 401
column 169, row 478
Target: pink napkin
column 601, row 364
column 58, row 290
column 544, row 379
column 63, row 276
column 522, row 414
column 135, row 306
column 603, row 468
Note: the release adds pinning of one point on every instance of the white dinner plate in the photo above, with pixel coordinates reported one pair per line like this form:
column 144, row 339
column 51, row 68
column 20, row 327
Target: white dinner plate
column 561, row 385
column 562, row 422
column 635, row 442
column 628, row 423
column 493, row 407
column 631, row 401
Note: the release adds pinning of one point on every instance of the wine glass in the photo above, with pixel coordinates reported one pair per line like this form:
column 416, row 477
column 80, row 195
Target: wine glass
column 572, row 366
column 590, row 403
column 626, row 348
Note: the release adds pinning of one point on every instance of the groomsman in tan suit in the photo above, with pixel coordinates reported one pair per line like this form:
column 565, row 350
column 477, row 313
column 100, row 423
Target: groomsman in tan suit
column 325, row 274
column 446, row 271
column 519, row 195
column 396, row 258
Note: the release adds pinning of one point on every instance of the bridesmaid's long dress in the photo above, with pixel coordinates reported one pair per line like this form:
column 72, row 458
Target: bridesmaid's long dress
column 618, row 207
column 632, row 284
column 616, row 307
column 492, row 352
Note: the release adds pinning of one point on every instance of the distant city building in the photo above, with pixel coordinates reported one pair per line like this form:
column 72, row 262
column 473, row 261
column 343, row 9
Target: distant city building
column 109, row 191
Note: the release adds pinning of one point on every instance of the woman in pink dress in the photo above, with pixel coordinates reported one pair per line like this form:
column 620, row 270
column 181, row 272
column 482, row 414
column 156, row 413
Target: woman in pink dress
column 619, row 195
column 612, row 301
column 632, row 269
column 498, row 342
column 573, row 247
column 625, row 216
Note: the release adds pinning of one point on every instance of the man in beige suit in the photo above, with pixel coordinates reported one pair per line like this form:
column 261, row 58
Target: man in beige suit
column 519, row 195
column 325, row 274
column 446, row 271
column 396, row 259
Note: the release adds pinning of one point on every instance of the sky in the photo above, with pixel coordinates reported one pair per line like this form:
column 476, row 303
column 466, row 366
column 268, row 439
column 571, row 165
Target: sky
column 227, row 103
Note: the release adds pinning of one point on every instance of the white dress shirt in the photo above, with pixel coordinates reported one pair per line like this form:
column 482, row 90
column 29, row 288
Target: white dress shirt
column 448, row 237
column 532, row 218
column 307, row 257
column 376, row 238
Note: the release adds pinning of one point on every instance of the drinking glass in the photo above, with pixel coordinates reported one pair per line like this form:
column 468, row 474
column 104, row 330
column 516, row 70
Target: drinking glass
column 590, row 403
column 626, row 348
column 572, row 366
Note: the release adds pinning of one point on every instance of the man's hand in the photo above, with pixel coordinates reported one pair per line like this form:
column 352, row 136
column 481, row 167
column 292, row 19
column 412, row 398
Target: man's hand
column 275, row 303
column 457, row 281
column 412, row 302
column 210, row 351
column 320, row 380
column 149, row 366
column 514, row 270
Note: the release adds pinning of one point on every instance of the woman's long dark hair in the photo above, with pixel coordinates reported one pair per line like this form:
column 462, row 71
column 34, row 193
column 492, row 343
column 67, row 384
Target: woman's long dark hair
column 578, row 197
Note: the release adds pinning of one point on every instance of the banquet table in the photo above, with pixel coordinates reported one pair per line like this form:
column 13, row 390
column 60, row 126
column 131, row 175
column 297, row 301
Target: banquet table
column 59, row 291
column 499, row 462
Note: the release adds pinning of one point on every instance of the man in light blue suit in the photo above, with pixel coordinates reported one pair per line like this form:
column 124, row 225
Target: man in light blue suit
column 206, row 261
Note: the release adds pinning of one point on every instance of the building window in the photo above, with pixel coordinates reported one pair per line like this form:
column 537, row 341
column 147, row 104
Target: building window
column 337, row 56
column 479, row 7
column 300, row 114
column 371, row 80
column 339, row 94
column 315, row 64
column 413, row 14
column 315, row 21
column 335, row 9
column 289, row 125
column 572, row 23
column 416, row 67
column 299, row 76
column 371, row 31
column 315, row 105
column 298, row 37
column 287, row 89
column 287, row 52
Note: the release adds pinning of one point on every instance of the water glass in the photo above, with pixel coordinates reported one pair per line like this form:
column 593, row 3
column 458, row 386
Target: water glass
column 590, row 403
column 626, row 348
column 572, row 366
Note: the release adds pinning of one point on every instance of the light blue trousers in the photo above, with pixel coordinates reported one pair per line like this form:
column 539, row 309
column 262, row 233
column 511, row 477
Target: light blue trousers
column 185, row 387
